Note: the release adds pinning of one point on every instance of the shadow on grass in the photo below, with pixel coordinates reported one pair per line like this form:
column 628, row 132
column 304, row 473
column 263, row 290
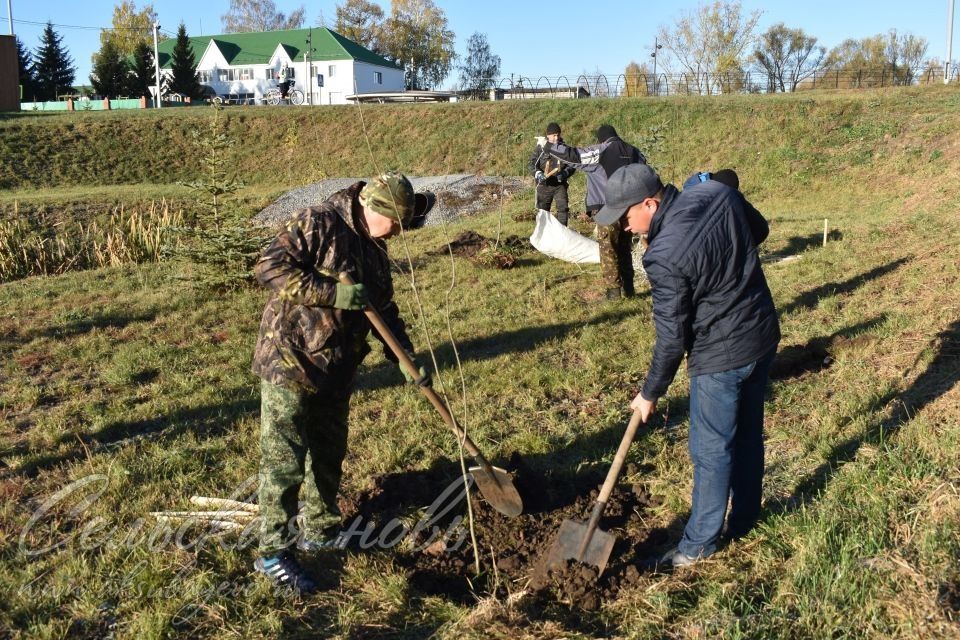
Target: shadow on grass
column 210, row 420
column 817, row 354
column 940, row 376
column 516, row 341
column 106, row 320
column 811, row 298
column 799, row 244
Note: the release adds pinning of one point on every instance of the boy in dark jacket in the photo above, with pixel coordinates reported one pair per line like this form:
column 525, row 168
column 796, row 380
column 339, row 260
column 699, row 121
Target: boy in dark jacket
column 710, row 302
column 551, row 176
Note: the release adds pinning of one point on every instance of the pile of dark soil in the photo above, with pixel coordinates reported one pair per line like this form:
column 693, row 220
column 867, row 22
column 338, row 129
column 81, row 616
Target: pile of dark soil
column 949, row 600
column 485, row 251
column 519, row 545
column 816, row 355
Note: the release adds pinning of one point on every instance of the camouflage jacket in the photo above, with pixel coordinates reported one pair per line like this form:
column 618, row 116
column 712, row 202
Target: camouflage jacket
column 305, row 343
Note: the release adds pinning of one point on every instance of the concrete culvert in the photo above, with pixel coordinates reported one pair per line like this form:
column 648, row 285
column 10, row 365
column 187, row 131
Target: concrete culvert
column 457, row 195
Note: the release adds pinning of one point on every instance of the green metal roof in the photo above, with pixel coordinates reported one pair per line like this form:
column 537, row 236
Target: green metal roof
column 241, row 49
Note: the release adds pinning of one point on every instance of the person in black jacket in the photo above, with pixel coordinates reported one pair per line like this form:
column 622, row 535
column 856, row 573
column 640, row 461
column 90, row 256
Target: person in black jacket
column 758, row 225
column 710, row 302
column 551, row 176
column 599, row 162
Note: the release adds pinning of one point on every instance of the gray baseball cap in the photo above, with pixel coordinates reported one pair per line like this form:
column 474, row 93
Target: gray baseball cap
column 626, row 187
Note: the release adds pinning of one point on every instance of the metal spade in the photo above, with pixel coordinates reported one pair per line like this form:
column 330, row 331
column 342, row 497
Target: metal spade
column 584, row 542
column 494, row 483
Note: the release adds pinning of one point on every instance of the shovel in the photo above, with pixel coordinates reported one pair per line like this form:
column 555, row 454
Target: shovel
column 494, row 483
column 584, row 542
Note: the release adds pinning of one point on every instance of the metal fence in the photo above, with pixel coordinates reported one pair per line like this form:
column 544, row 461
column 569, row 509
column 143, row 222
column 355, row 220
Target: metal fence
column 664, row 84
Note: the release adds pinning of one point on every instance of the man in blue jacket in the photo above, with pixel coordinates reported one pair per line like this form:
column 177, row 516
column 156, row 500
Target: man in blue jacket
column 710, row 302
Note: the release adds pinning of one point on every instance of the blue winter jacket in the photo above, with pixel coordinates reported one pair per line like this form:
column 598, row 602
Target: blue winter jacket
column 710, row 298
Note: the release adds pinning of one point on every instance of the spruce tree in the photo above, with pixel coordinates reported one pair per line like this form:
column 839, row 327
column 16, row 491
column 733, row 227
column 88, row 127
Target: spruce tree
column 25, row 65
column 110, row 71
column 142, row 75
column 52, row 66
column 184, row 80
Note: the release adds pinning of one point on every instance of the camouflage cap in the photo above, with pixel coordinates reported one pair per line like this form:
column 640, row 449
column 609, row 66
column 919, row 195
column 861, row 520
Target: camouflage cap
column 390, row 195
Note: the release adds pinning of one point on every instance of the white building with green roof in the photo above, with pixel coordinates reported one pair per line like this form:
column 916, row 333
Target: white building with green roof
column 324, row 64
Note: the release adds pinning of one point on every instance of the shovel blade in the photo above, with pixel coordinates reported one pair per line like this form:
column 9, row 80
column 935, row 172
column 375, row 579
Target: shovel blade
column 567, row 544
column 496, row 486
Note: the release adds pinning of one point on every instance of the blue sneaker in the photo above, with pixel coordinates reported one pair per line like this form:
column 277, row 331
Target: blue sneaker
column 285, row 572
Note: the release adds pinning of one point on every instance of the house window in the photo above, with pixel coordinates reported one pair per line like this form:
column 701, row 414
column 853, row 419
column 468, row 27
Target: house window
column 246, row 73
column 378, row 77
column 223, row 75
column 331, row 70
column 205, row 77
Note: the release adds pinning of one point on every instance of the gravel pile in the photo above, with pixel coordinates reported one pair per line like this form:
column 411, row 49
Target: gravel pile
column 457, row 195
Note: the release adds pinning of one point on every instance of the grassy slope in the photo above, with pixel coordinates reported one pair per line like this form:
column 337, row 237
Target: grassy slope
column 861, row 528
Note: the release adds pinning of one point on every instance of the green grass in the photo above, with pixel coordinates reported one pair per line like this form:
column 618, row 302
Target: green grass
column 129, row 377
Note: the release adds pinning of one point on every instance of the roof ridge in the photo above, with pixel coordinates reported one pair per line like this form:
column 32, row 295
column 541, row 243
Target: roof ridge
column 258, row 47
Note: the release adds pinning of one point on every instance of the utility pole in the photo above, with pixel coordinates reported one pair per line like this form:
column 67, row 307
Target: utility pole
column 10, row 14
column 656, row 47
column 308, row 57
column 946, row 63
column 156, row 62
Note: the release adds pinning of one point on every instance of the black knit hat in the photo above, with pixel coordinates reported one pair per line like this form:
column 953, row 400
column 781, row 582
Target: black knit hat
column 605, row 132
column 552, row 128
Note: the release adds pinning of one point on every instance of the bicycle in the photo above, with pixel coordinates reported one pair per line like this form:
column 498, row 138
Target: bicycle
column 294, row 96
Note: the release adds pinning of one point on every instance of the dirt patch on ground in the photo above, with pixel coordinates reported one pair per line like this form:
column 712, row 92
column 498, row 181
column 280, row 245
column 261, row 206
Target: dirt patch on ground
column 817, row 355
column 437, row 566
column 949, row 600
column 485, row 251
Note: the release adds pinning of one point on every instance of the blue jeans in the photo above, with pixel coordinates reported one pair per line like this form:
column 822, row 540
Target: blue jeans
column 726, row 446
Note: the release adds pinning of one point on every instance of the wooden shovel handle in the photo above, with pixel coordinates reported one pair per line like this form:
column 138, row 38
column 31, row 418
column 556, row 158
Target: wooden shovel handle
column 609, row 483
column 408, row 365
column 620, row 458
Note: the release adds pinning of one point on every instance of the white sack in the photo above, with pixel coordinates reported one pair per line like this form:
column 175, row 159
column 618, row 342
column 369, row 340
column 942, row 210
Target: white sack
column 557, row 241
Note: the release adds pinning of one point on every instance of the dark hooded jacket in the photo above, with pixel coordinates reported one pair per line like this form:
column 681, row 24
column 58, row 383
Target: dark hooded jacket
column 710, row 298
column 598, row 161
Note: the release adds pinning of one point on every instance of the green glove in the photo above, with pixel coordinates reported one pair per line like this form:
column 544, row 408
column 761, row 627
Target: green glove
column 352, row 297
column 427, row 381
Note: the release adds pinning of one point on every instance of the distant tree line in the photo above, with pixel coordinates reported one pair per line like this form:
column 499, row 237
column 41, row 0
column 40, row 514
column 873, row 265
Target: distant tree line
column 716, row 47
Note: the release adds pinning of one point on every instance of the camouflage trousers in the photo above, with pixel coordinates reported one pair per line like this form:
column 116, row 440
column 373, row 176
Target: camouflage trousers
column 616, row 262
column 303, row 440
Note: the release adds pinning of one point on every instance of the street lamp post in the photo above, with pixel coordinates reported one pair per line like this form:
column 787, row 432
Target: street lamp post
column 946, row 63
column 156, row 62
column 656, row 47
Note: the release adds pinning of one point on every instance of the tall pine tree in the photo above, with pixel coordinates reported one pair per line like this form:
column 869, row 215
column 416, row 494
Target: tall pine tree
column 184, row 80
column 25, row 65
column 52, row 66
column 142, row 76
column 110, row 71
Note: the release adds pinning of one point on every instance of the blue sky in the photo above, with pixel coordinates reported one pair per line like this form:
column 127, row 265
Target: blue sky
column 552, row 38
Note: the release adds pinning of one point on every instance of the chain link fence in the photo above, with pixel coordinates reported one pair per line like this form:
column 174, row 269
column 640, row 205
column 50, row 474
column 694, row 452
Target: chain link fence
column 704, row 84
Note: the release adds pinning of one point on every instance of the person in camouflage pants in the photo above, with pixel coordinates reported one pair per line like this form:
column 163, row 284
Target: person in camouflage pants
column 313, row 336
column 599, row 162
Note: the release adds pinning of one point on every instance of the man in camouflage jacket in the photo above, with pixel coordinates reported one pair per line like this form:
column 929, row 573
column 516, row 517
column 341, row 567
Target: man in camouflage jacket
column 313, row 336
